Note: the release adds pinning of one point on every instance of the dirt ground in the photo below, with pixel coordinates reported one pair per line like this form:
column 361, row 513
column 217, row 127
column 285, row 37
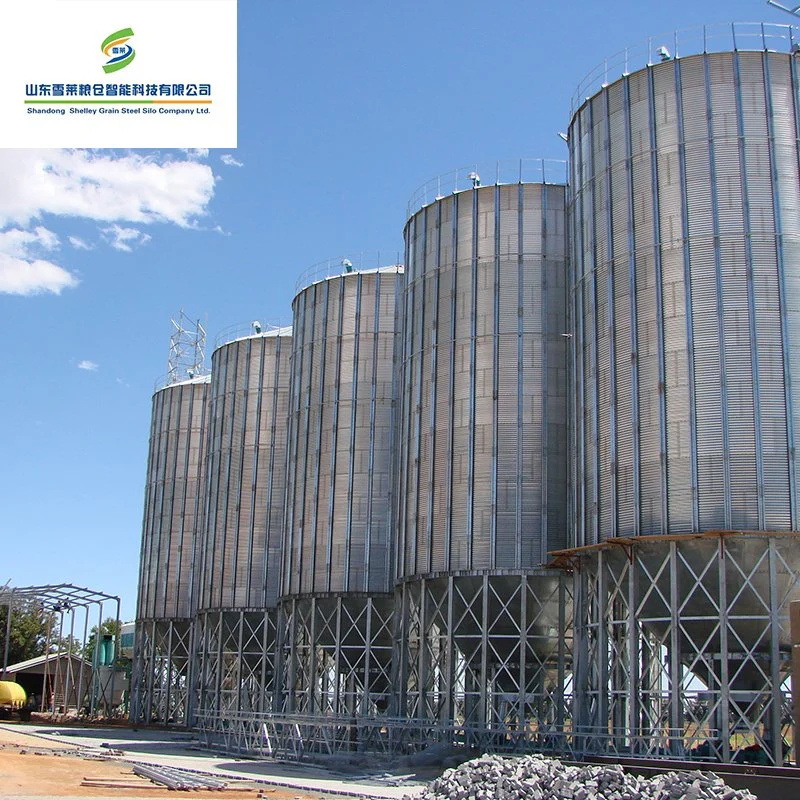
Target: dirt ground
column 32, row 767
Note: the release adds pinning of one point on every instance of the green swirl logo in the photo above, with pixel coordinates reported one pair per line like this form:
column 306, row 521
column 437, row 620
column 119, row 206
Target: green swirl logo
column 118, row 50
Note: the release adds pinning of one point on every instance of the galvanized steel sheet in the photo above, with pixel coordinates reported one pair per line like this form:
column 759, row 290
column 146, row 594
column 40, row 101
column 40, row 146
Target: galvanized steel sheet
column 174, row 497
column 338, row 534
column 240, row 558
column 482, row 448
column 685, row 298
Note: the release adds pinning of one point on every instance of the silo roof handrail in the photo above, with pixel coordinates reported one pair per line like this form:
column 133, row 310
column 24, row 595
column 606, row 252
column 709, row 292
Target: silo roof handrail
column 521, row 170
column 167, row 380
column 244, row 330
column 725, row 37
column 373, row 261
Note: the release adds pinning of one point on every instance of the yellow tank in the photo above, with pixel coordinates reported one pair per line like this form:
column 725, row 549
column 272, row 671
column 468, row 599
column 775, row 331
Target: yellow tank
column 12, row 694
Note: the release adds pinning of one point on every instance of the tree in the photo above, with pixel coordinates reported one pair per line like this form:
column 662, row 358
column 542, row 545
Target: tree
column 29, row 626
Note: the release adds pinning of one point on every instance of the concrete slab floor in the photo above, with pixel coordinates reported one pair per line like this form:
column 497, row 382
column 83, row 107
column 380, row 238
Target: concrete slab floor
column 176, row 749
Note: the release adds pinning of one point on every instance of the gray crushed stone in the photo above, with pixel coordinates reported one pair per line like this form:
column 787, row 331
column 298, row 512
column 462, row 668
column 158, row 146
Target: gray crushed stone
column 492, row 777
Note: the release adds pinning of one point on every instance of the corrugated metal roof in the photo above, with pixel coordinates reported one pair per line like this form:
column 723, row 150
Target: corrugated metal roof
column 39, row 660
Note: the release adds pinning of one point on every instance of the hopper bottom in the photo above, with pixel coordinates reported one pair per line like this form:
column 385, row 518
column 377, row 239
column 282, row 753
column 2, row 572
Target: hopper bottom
column 336, row 654
column 235, row 665
column 161, row 671
column 684, row 645
column 487, row 655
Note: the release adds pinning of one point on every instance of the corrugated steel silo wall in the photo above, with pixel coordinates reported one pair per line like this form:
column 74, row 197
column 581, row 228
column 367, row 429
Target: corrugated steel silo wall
column 247, row 435
column 685, row 298
column 174, row 496
column 338, row 498
column 483, row 427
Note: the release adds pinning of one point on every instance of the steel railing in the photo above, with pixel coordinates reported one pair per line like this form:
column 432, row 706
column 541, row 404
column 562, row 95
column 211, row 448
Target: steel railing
column 736, row 36
column 366, row 261
column 521, row 170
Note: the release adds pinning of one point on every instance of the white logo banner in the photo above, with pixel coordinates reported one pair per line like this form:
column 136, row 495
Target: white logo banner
column 118, row 74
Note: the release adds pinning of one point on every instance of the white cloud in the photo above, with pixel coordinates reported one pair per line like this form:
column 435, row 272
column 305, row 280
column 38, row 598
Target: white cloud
column 89, row 366
column 79, row 244
column 230, row 160
column 98, row 186
column 125, row 239
column 95, row 185
column 23, row 270
column 18, row 276
column 195, row 152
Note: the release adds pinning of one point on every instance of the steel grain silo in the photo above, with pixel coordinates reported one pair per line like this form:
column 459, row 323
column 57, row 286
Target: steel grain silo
column 174, row 496
column 240, row 555
column 482, row 446
column 685, row 304
column 336, row 588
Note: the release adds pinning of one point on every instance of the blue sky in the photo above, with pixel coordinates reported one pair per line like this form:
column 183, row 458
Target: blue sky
column 344, row 109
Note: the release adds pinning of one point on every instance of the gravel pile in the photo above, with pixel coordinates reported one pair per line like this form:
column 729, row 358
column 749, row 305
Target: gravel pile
column 493, row 777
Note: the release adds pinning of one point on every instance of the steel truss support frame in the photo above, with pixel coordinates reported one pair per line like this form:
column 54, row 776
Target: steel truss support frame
column 161, row 674
column 336, row 655
column 485, row 659
column 685, row 647
column 235, row 667
column 82, row 688
column 292, row 736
